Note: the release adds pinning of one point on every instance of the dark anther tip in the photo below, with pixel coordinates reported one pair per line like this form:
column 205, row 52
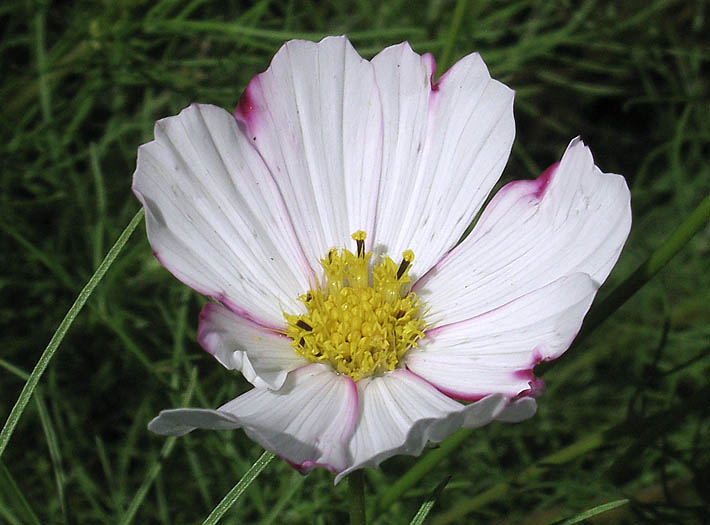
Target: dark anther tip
column 402, row 268
column 304, row 325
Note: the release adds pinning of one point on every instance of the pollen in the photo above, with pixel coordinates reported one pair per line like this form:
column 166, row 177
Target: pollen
column 362, row 317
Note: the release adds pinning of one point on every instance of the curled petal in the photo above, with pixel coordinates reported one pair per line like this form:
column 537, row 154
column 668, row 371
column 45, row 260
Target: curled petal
column 263, row 356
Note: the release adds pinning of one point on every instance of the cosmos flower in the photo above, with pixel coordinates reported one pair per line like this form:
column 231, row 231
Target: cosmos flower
column 323, row 218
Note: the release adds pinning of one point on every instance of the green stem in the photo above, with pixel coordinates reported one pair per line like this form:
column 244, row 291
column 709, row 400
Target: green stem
column 62, row 330
column 356, row 497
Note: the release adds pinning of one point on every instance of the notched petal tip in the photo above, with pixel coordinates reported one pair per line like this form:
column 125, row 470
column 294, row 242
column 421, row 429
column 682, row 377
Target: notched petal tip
column 475, row 65
column 305, row 467
column 536, row 386
column 540, row 184
column 247, row 110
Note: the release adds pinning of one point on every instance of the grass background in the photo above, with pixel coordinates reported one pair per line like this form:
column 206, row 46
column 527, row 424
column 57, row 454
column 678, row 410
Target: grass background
column 82, row 84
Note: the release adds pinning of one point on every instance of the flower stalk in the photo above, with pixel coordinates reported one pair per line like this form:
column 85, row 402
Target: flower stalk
column 356, row 497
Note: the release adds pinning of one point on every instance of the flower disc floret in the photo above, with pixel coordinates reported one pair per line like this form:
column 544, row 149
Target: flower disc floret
column 361, row 322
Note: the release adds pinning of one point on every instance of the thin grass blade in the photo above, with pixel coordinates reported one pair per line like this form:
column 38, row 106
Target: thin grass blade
column 9, row 488
column 599, row 509
column 157, row 465
column 239, row 489
column 54, row 453
column 62, row 330
column 428, row 504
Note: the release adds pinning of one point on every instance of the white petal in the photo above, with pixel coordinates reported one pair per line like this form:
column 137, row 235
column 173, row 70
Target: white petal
column 308, row 421
column 573, row 218
column 215, row 218
column 444, row 149
column 315, row 117
column 180, row 421
column 519, row 410
column 263, row 356
column 400, row 413
column 495, row 352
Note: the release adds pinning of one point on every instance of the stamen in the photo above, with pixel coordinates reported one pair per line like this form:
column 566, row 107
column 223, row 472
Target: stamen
column 359, row 237
column 407, row 258
column 303, row 324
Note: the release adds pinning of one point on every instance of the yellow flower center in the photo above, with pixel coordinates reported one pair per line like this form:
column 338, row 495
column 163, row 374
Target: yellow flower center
column 360, row 322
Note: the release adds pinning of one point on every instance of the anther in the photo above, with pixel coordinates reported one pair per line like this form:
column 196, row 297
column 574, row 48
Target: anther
column 407, row 258
column 359, row 237
column 304, row 325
